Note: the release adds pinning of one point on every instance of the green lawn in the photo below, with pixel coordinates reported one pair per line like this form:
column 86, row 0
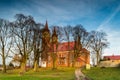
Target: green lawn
column 103, row 73
column 43, row 74
column 62, row 74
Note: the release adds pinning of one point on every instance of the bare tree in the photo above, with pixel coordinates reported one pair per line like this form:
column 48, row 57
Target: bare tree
column 5, row 41
column 99, row 42
column 79, row 35
column 57, row 37
column 22, row 36
column 68, row 35
column 37, row 43
column 55, row 46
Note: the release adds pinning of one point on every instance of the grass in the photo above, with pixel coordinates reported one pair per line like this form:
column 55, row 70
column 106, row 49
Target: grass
column 103, row 73
column 42, row 74
column 62, row 74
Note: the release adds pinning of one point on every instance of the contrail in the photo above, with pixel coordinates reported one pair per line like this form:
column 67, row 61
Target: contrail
column 101, row 26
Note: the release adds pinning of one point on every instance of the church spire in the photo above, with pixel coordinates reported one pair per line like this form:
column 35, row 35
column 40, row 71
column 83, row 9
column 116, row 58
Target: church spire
column 46, row 25
column 54, row 31
column 54, row 36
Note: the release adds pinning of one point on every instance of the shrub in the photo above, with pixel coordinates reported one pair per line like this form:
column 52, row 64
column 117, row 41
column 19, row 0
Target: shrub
column 11, row 65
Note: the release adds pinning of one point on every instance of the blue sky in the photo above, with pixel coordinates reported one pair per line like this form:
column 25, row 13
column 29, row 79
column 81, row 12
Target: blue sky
column 92, row 14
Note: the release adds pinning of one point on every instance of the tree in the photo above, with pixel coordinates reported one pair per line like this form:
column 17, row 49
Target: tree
column 68, row 35
column 22, row 37
column 55, row 46
column 79, row 35
column 99, row 42
column 5, row 41
column 56, row 38
column 37, row 42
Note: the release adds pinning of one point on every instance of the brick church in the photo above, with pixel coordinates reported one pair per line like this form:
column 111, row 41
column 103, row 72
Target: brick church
column 64, row 54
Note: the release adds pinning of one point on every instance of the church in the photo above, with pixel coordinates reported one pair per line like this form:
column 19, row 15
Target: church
column 59, row 53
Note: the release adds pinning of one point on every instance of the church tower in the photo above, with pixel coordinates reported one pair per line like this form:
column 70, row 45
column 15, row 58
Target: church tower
column 45, row 43
column 46, row 34
column 54, row 36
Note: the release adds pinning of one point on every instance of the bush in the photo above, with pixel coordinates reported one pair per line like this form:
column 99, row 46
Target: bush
column 11, row 65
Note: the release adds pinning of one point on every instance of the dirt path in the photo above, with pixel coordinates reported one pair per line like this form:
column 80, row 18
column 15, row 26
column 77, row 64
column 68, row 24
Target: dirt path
column 79, row 75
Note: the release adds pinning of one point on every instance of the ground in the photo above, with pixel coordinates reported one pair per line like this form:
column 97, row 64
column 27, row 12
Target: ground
column 62, row 74
column 43, row 74
column 103, row 73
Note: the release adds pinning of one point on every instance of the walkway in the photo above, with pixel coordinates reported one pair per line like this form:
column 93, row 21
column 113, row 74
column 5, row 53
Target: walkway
column 79, row 75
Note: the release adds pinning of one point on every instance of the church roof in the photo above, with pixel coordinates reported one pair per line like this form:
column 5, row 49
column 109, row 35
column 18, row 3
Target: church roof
column 113, row 57
column 64, row 47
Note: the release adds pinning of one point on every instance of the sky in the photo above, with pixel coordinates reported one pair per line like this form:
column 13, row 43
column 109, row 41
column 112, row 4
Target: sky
column 92, row 14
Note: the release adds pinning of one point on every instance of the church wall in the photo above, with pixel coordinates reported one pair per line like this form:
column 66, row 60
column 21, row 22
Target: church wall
column 62, row 60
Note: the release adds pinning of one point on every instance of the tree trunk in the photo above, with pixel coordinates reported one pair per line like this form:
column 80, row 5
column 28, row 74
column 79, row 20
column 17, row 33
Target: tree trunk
column 4, row 65
column 23, row 65
column 54, row 55
column 68, row 59
column 73, row 63
column 36, row 60
column 68, row 54
column 46, row 62
column 97, row 57
column 3, row 60
column 36, row 66
column 54, row 63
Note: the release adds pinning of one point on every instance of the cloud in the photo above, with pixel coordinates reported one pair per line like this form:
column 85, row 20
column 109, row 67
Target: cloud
column 64, row 11
column 109, row 18
column 58, row 11
column 113, row 34
column 114, row 39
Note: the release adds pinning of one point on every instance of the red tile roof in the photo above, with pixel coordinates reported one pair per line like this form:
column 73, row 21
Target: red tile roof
column 113, row 57
column 64, row 46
